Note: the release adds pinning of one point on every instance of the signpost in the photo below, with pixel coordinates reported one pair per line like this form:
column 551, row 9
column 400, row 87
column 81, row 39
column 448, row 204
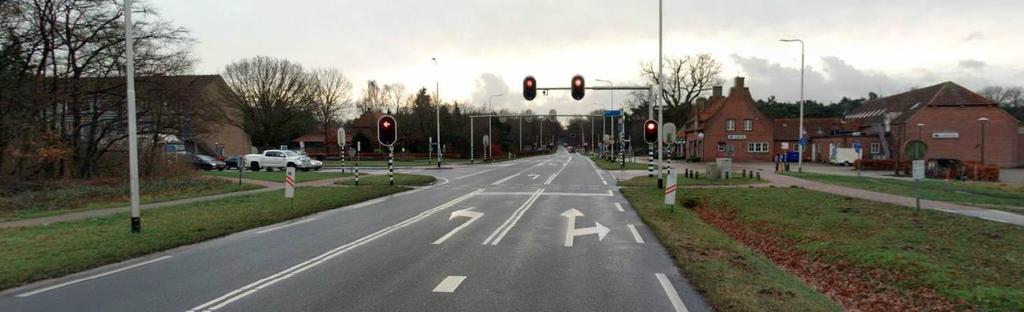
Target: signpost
column 916, row 150
column 670, row 188
column 918, row 173
column 857, row 148
column 289, row 186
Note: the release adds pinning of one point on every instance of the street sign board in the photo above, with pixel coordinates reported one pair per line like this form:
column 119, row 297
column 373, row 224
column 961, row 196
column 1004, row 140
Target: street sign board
column 916, row 149
column 613, row 113
column 670, row 188
column 918, row 170
column 341, row 137
column 670, row 132
column 289, row 183
column 282, row 147
column 856, row 147
column 486, row 139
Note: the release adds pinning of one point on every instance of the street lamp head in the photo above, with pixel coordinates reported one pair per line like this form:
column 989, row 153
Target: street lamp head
column 920, row 125
column 983, row 119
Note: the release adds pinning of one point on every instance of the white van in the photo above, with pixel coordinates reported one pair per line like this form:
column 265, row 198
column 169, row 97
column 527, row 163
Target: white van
column 843, row 156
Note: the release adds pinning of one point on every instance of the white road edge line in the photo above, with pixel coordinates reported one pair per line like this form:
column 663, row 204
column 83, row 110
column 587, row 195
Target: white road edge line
column 670, row 291
column 636, row 235
column 619, row 207
column 449, row 284
column 592, row 165
column 246, row 290
column 284, row 226
column 500, row 232
column 72, row 282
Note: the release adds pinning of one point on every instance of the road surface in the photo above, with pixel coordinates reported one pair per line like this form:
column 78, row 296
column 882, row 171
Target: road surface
column 547, row 233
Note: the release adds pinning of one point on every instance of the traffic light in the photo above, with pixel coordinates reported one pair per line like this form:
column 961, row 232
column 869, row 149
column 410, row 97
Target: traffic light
column 529, row 88
column 578, row 87
column 387, row 130
column 651, row 131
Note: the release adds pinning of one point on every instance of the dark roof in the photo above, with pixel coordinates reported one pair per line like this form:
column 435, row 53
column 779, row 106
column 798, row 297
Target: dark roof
column 787, row 129
column 901, row 106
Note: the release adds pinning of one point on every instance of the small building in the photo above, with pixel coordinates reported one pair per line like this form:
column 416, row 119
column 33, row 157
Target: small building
column 950, row 119
column 823, row 135
column 730, row 126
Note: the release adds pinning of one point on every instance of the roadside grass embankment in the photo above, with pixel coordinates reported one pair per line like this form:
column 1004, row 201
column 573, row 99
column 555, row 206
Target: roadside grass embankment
column 278, row 175
column 402, row 179
column 40, row 252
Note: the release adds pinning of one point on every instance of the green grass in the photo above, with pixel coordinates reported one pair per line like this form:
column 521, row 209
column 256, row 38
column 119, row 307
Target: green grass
column 978, row 261
column 41, row 252
column 728, row 275
column 615, row 165
column 984, row 194
column 398, row 163
column 682, row 181
column 400, row 179
column 278, row 176
column 56, row 198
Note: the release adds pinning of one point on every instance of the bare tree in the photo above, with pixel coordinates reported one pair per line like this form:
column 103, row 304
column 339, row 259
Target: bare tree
column 272, row 94
column 374, row 99
column 394, row 96
column 1005, row 96
column 685, row 79
column 330, row 97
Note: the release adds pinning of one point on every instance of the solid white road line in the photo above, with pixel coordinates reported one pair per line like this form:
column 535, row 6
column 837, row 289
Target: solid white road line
column 670, row 291
column 246, row 290
column 449, row 284
column 553, row 176
column 608, row 194
column 500, row 232
column 505, row 193
column 636, row 235
column 284, row 226
column 474, row 174
column 72, row 282
column 505, row 179
column 619, row 207
column 592, row 165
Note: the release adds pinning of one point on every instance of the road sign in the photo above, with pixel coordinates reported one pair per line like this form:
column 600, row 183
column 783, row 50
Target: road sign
column 502, row 119
column 670, row 188
column 341, row 137
column 856, row 147
column 613, row 113
column 486, row 139
column 916, row 149
column 282, row 147
column 918, row 170
column 670, row 132
column 289, row 183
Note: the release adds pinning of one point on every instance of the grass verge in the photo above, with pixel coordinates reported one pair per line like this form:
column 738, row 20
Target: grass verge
column 278, row 176
column 54, row 198
column 728, row 275
column 400, row 179
column 966, row 261
column 984, row 194
column 41, row 252
column 616, row 165
column 645, row 181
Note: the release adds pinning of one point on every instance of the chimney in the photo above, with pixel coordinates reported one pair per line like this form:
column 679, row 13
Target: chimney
column 872, row 96
column 716, row 91
column 738, row 84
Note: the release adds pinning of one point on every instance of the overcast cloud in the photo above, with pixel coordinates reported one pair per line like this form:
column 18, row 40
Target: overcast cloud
column 487, row 47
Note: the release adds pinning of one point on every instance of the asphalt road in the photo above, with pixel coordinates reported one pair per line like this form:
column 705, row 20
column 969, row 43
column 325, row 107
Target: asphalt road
column 547, row 233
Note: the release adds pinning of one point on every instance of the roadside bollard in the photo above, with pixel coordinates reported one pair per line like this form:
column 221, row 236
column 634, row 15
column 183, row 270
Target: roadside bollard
column 727, row 173
column 759, row 176
column 744, row 173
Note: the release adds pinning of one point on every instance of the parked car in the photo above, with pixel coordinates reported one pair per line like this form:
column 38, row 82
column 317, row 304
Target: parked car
column 278, row 159
column 317, row 164
column 232, row 162
column 844, row 156
column 205, row 162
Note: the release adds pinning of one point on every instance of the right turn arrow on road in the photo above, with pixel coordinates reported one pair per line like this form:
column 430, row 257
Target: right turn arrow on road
column 571, row 231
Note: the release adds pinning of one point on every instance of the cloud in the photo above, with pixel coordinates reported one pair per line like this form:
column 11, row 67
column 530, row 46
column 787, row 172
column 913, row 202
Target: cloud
column 977, row 35
column 489, row 84
column 834, row 80
column 971, row 64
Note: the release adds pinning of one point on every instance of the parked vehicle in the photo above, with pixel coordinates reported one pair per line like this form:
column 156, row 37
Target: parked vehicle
column 232, row 162
column 278, row 159
column 205, row 162
column 843, row 156
column 317, row 164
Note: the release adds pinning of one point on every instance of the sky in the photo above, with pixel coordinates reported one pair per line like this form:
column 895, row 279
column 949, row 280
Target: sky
column 486, row 47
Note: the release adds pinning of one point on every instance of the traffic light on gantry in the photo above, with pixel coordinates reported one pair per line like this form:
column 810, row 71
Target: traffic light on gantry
column 578, row 87
column 651, row 131
column 529, row 88
column 387, row 130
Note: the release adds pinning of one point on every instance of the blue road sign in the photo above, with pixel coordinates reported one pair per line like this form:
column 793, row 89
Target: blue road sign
column 803, row 141
column 856, row 147
column 613, row 113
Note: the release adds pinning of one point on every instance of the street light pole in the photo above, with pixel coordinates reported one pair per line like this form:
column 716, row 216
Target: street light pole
column 657, row 99
column 982, row 121
column 133, row 136
column 800, row 146
column 437, row 100
column 490, row 139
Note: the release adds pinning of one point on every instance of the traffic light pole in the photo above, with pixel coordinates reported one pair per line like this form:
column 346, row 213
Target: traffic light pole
column 657, row 99
column 471, row 140
column 391, row 165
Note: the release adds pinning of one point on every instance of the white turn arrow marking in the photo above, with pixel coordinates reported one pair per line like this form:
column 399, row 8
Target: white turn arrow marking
column 472, row 215
column 571, row 231
column 533, row 176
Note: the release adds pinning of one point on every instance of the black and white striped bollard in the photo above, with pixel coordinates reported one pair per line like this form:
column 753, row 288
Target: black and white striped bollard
column 391, row 165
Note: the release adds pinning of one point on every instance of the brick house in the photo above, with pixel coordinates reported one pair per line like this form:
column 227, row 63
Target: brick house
column 948, row 116
column 823, row 134
column 730, row 126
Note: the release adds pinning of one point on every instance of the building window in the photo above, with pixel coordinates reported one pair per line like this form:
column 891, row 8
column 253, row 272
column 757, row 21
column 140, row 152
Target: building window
column 748, row 124
column 721, row 147
column 876, row 148
column 730, row 125
column 757, row 147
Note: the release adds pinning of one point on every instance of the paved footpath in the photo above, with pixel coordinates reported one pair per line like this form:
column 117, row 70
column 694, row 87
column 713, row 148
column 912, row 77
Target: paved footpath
column 778, row 180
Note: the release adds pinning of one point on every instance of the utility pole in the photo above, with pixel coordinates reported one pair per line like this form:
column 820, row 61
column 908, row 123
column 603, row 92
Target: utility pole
column 437, row 96
column 657, row 99
column 800, row 143
column 133, row 136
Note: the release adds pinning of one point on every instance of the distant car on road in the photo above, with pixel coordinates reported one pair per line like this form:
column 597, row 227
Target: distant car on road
column 572, row 149
column 205, row 162
column 278, row 159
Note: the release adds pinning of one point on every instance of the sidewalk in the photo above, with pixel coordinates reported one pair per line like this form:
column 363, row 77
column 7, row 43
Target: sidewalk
column 81, row 215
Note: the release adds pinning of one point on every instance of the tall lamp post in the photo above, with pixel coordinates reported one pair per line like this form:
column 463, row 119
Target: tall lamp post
column 983, row 121
column 437, row 100
column 800, row 144
column 490, row 139
column 657, row 100
column 133, row 136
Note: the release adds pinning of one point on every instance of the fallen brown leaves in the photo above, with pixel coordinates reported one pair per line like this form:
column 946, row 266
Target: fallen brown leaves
column 856, row 288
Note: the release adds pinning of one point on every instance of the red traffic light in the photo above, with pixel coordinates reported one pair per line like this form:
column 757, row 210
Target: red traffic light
column 529, row 88
column 651, row 131
column 387, row 130
column 578, row 87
